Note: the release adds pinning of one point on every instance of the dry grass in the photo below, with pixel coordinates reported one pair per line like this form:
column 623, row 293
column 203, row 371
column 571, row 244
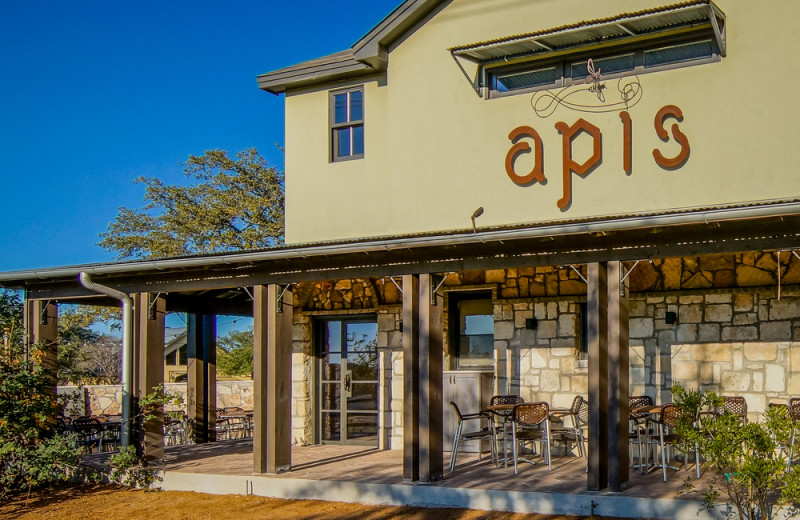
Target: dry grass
column 110, row 503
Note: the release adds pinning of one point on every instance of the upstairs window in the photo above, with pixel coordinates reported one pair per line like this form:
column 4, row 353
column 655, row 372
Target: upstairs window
column 613, row 63
column 347, row 124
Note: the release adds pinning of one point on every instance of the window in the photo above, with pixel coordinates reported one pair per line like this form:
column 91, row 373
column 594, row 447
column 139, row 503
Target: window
column 473, row 330
column 613, row 62
column 347, row 124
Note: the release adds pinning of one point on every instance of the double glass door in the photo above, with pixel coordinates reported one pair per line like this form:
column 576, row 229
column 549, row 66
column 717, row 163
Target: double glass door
column 348, row 383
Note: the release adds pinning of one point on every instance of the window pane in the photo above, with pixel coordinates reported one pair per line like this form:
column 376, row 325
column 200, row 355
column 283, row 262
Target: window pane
column 478, row 324
column 331, row 426
column 333, row 336
column 330, row 396
column 358, row 140
column 364, row 397
column 340, row 108
column 604, row 65
column 332, row 367
column 343, row 140
column 533, row 78
column 356, row 106
column 678, row 53
column 362, row 425
column 476, row 351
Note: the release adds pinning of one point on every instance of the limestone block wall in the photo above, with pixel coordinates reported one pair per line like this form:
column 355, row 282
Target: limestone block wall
column 736, row 343
column 107, row 399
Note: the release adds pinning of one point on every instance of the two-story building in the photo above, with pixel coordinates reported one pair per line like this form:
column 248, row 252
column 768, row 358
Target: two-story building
column 524, row 197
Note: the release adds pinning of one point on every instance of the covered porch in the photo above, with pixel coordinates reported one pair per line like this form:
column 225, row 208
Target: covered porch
column 266, row 285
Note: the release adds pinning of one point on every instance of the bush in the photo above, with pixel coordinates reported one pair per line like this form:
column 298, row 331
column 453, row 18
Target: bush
column 750, row 467
column 31, row 454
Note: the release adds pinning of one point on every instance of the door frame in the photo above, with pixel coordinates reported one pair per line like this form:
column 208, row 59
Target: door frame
column 318, row 328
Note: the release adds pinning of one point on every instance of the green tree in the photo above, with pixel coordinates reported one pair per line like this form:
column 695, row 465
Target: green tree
column 85, row 355
column 10, row 318
column 233, row 204
column 235, row 353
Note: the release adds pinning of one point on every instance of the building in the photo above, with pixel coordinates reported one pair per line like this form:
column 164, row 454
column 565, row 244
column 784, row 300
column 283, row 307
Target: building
column 574, row 197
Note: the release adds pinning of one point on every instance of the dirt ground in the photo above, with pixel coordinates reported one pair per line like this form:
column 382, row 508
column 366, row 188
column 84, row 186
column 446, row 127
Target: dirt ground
column 110, row 503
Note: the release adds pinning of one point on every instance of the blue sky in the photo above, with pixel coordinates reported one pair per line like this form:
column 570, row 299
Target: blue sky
column 95, row 93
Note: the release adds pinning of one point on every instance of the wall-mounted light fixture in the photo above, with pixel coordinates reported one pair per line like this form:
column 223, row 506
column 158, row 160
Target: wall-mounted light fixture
column 671, row 318
column 531, row 323
column 475, row 214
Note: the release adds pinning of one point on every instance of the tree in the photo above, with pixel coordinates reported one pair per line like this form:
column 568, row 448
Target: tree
column 10, row 320
column 235, row 204
column 235, row 353
column 84, row 355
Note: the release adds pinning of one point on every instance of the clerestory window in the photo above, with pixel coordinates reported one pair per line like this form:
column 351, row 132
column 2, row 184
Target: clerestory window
column 347, row 124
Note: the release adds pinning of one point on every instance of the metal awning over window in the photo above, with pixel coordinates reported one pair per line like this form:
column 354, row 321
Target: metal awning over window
column 623, row 28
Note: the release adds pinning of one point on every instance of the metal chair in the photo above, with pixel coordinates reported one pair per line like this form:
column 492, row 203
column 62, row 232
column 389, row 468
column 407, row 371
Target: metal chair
column 667, row 421
column 483, row 434
column 531, row 422
column 639, row 428
column 575, row 432
column 794, row 413
column 499, row 430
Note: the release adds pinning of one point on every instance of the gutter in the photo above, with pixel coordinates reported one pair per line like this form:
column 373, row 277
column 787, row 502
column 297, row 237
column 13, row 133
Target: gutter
column 127, row 349
column 621, row 224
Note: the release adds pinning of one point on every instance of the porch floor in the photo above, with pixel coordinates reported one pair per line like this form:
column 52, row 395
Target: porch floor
column 369, row 475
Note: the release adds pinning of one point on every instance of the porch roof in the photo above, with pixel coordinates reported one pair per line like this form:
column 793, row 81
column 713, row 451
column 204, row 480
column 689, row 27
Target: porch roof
column 766, row 225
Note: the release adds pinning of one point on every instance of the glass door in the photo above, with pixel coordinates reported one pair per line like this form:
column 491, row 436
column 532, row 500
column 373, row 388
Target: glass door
column 348, row 383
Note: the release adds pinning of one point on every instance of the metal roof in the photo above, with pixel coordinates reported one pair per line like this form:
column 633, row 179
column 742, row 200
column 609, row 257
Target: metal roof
column 652, row 22
column 573, row 241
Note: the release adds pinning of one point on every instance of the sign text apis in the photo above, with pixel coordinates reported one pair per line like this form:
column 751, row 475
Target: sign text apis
column 570, row 166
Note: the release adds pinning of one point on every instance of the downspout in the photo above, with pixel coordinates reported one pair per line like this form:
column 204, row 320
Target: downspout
column 127, row 348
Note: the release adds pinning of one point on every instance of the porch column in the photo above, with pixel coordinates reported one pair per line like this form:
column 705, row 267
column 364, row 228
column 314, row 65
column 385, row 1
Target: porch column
column 422, row 358
column 41, row 326
column 608, row 377
column 272, row 379
column 201, row 380
column 149, row 317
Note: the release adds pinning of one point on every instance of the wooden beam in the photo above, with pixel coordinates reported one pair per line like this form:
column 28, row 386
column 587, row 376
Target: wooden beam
column 41, row 328
column 618, row 380
column 149, row 317
column 430, row 382
column 272, row 380
column 201, row 388
column 597, row 322
column 411, row 298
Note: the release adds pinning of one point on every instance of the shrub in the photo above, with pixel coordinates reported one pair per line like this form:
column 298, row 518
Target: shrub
column 750, row 467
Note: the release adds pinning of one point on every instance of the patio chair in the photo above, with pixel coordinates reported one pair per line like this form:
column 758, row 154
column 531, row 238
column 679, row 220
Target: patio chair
column 639, row 432
column 482, row 434
column 530, row 422
column 736, row 405
column 499, row 430
column 572, row 433
column 667, row 421
column 794, row 413
column 87, row 432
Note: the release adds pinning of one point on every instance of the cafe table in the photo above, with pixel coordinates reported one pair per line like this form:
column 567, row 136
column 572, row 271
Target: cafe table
column 504, row 412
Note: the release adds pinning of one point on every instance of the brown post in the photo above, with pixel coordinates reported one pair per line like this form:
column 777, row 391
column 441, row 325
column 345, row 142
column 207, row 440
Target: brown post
column 149, row 319
column 597, row 334
column 608, row 378
column 41, row 326
column 411, row 299
column 618, row 380
column 272, row 380
column 430, row 383
column 201, row 388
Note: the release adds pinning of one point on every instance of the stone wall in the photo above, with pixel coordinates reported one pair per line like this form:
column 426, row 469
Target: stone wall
column 732, row 333
column 107, row 399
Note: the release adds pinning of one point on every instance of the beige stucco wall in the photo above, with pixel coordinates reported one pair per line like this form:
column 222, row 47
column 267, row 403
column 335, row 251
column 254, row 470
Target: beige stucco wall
column 435, row 151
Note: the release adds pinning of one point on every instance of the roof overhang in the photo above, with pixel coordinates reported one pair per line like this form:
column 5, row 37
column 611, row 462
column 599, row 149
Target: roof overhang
column 367, row 56
column 759, row 226
column 622, row 28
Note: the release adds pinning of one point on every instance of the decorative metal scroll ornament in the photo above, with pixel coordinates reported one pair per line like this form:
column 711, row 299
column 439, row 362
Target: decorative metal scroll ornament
column 545, row 103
